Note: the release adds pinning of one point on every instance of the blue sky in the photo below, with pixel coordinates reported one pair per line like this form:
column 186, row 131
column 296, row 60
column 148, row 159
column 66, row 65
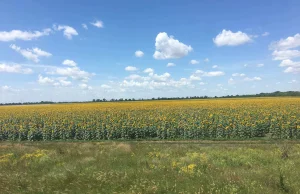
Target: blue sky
column 79, row 50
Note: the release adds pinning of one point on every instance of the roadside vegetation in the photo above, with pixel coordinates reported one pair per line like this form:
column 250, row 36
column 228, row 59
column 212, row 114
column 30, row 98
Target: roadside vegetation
column 150, row 167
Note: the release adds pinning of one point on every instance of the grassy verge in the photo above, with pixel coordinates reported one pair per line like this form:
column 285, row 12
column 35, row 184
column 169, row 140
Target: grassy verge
column 150, row 167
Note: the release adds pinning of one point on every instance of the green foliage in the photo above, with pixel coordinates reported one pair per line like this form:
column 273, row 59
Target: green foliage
column 150, row 167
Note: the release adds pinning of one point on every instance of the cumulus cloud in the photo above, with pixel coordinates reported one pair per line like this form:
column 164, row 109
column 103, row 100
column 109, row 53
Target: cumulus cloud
column 104, row 86
column 210, row 73
column 194, row 62
column 45, row 80
column 152, row 81
column 206, row 60
column 285, row 54
column 293, row 81
column 266, row 34
column 238, row 75
column 69, row 63
column 288, row 62
column 252, row 79
column 9, row 89
column 282, row 51
column 148, row 70
column 14, row 69
column 84, row 26
column 131, row 68
column 22, row 35
column 292, row 70
column 73, row 72
column 169, row 48
column 31, row 54
column 68, row 31
column 171, row 64
column 85, row 87
column 195, row 78
column 41, row 53
column 228, row 38
column 98, row 24
column 231, row 81
column 57, row 82
column 260, row 65
column 137, row 77
column 65, row 82
column 161, row 78
column 213, row 73
column 285, row 44
column 139, row 53
column 292, row 67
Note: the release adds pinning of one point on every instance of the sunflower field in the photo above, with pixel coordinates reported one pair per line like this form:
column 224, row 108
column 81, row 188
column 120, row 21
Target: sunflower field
column 277, row 118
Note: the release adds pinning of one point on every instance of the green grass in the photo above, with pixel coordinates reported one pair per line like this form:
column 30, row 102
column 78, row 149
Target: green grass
column 150, row 167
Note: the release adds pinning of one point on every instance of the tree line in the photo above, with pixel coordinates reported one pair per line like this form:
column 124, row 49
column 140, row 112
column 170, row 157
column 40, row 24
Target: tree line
column 272, row 94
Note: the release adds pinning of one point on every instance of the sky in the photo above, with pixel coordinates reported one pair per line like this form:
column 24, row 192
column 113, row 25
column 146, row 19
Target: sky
column 83, row 50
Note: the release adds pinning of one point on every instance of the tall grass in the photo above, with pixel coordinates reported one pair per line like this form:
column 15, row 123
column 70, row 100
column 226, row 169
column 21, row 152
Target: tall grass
column 150, row 167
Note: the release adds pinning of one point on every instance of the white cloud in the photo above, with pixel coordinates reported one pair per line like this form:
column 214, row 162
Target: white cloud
column 85, row 87
column 292, row 67
column 162, row 77
column 171, row 65
column 266, row 34
column 9, row 89
column 238, row 75
column 285, row 54
column 131, row 68
column 194, row 62
column 231, row 81
column 245, row 65
column 139, row 53
column 14, row 69
column 228, row 38
column 292, row 70
column 288, row 43
column 62, row 81
column 84, row 26
column 98, row 24
column 206, row 60
column 105, row 86
column 41, row 53
column 26, row 53
column 210, row 73
column 252, row 79
column 289, row 63
column 213, row 73
column 45, row 80
column 69, row 63
column 195, row 78
column 65, row 83
column 68, row 31
column 293, row 81
column 260, row 65
column 202, row 83
column 73, row 72
column 31, row 54
column 22, row 35
column 148, row 70
column 160, row 84
column 137, row 77
column 169, row 48
column 215, row 66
